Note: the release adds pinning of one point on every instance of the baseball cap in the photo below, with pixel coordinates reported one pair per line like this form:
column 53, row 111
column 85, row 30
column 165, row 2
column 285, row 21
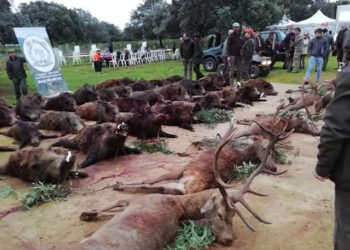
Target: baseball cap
column 236, row 25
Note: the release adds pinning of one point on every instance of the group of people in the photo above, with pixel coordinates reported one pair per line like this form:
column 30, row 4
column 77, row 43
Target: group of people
column 238, row 50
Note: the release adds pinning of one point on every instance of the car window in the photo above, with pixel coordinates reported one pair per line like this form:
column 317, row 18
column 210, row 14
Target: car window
column 264, row 35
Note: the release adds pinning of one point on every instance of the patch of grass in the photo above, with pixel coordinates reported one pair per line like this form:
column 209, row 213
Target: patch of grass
column 244, row 171
column 214, row 116
column 158, row 146
column 280, row 156
column 192, row 236
column 41, row 193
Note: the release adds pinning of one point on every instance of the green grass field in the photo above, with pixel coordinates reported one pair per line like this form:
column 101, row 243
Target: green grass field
column 79, row 75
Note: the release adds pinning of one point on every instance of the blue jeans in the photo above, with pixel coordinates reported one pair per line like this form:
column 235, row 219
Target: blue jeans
column 318, row 61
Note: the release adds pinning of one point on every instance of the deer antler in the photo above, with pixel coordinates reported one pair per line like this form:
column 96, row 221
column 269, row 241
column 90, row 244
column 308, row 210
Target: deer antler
column 233, row 196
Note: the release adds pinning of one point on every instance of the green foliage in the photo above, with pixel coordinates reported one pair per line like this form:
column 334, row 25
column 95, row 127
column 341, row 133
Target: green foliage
column 158, row 146
column 41, row 193
column 244, row 171
column 214, row 116
column 280, row 155
column 192, row 236
column 8, row 191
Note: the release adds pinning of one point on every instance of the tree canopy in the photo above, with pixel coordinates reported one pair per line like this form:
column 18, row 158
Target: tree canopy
column 156, row 19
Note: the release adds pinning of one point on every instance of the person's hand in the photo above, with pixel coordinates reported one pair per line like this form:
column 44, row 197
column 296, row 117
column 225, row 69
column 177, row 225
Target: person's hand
column 228, row 58
column 320, row 178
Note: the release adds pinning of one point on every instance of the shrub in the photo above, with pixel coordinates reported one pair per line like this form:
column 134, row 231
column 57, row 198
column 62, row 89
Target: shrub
column 158, row 146
column 214, row 116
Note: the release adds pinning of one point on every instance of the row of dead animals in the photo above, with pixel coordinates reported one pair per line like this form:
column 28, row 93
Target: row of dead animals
column 151, row 221
column 113, row 101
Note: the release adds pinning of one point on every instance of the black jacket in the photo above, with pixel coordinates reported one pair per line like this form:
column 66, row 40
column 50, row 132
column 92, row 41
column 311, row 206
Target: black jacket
column 15, row 68
column 197, row 52
column 334, row 148
column 340, row 39
column 247, row 49
column 318, row 46
column 186, row 49
column 234, row 44
column 268, row 51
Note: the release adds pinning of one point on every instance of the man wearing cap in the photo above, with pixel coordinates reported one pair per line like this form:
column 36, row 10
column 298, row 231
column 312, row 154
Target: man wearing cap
column 286, row 44
column 197, row 54
column 247, row 52
column 16, row 73
column 317, row 48
column 186, row 54
column 234, row 45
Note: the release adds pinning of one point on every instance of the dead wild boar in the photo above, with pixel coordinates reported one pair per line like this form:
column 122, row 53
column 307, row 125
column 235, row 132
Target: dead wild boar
column 193, row 88
column 63, row 102
column 130, row 104
column 145, row 124
column 99, row 142
column 66, row 122
column 29, row 107
column 38, row 164
column 172, row 92
column 100, row 111
column 26, row 134
column 85, row 93
column 7, row 115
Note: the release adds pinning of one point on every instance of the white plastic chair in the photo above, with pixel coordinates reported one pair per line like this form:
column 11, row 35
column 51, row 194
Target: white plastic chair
column 114, row 61
column 122, row 60
column 176, row 55
column 61, row 58
column 76, row 55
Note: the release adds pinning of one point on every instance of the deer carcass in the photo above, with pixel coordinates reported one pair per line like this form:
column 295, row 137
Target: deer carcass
column 151, row 221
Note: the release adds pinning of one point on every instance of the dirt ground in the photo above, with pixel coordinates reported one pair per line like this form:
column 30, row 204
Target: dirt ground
column 299, row 207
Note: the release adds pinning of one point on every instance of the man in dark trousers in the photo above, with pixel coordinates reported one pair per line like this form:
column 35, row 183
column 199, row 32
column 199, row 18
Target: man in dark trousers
column 334, row 157
column 234, row 45
column 330, row 45
column 247, row 52
column 186, row 53
column 197, row 55
column 339, row 43
column 17, row 74
column 286, row 45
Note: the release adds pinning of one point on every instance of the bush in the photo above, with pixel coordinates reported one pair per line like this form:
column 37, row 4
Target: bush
column 244, row 171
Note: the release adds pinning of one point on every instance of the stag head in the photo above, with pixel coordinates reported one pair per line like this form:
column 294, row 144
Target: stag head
column 219, row 218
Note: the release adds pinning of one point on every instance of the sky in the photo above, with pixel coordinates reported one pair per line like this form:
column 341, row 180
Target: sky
column 112, row 11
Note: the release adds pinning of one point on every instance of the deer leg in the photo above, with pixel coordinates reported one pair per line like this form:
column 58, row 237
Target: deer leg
column 167, row 188
column 92, row 215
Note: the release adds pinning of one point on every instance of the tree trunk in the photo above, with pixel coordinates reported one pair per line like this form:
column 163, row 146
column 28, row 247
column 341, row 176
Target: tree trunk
column 160, row 42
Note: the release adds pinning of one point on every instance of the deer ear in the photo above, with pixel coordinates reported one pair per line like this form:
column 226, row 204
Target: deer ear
column 209, row 205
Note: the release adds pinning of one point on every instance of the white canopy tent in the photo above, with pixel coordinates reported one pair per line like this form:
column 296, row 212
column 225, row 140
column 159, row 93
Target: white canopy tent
column 284, row 24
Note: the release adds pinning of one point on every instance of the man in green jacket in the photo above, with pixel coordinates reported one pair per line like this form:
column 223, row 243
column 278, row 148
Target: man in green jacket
column 16, row 73
column 334, row 157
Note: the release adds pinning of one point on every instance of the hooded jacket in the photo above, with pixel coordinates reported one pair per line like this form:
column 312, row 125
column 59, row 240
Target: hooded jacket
column 247, row 50
column 318, row 47
column 334, row 148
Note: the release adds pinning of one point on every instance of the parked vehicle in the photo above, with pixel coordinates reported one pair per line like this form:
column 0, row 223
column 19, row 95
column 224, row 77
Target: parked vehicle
column 280, row 35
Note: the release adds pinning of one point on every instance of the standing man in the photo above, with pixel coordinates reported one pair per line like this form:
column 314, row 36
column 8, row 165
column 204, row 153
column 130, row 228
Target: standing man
column 286, row 44
column 346, row 46
column 247, row 52
column 186, row 53
column 339, row 43
column 330, row 45
column 234, row 45
column 317, row 48
column 298, row 50
column 334, row 157
column 197, row 55
column 17, row 74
